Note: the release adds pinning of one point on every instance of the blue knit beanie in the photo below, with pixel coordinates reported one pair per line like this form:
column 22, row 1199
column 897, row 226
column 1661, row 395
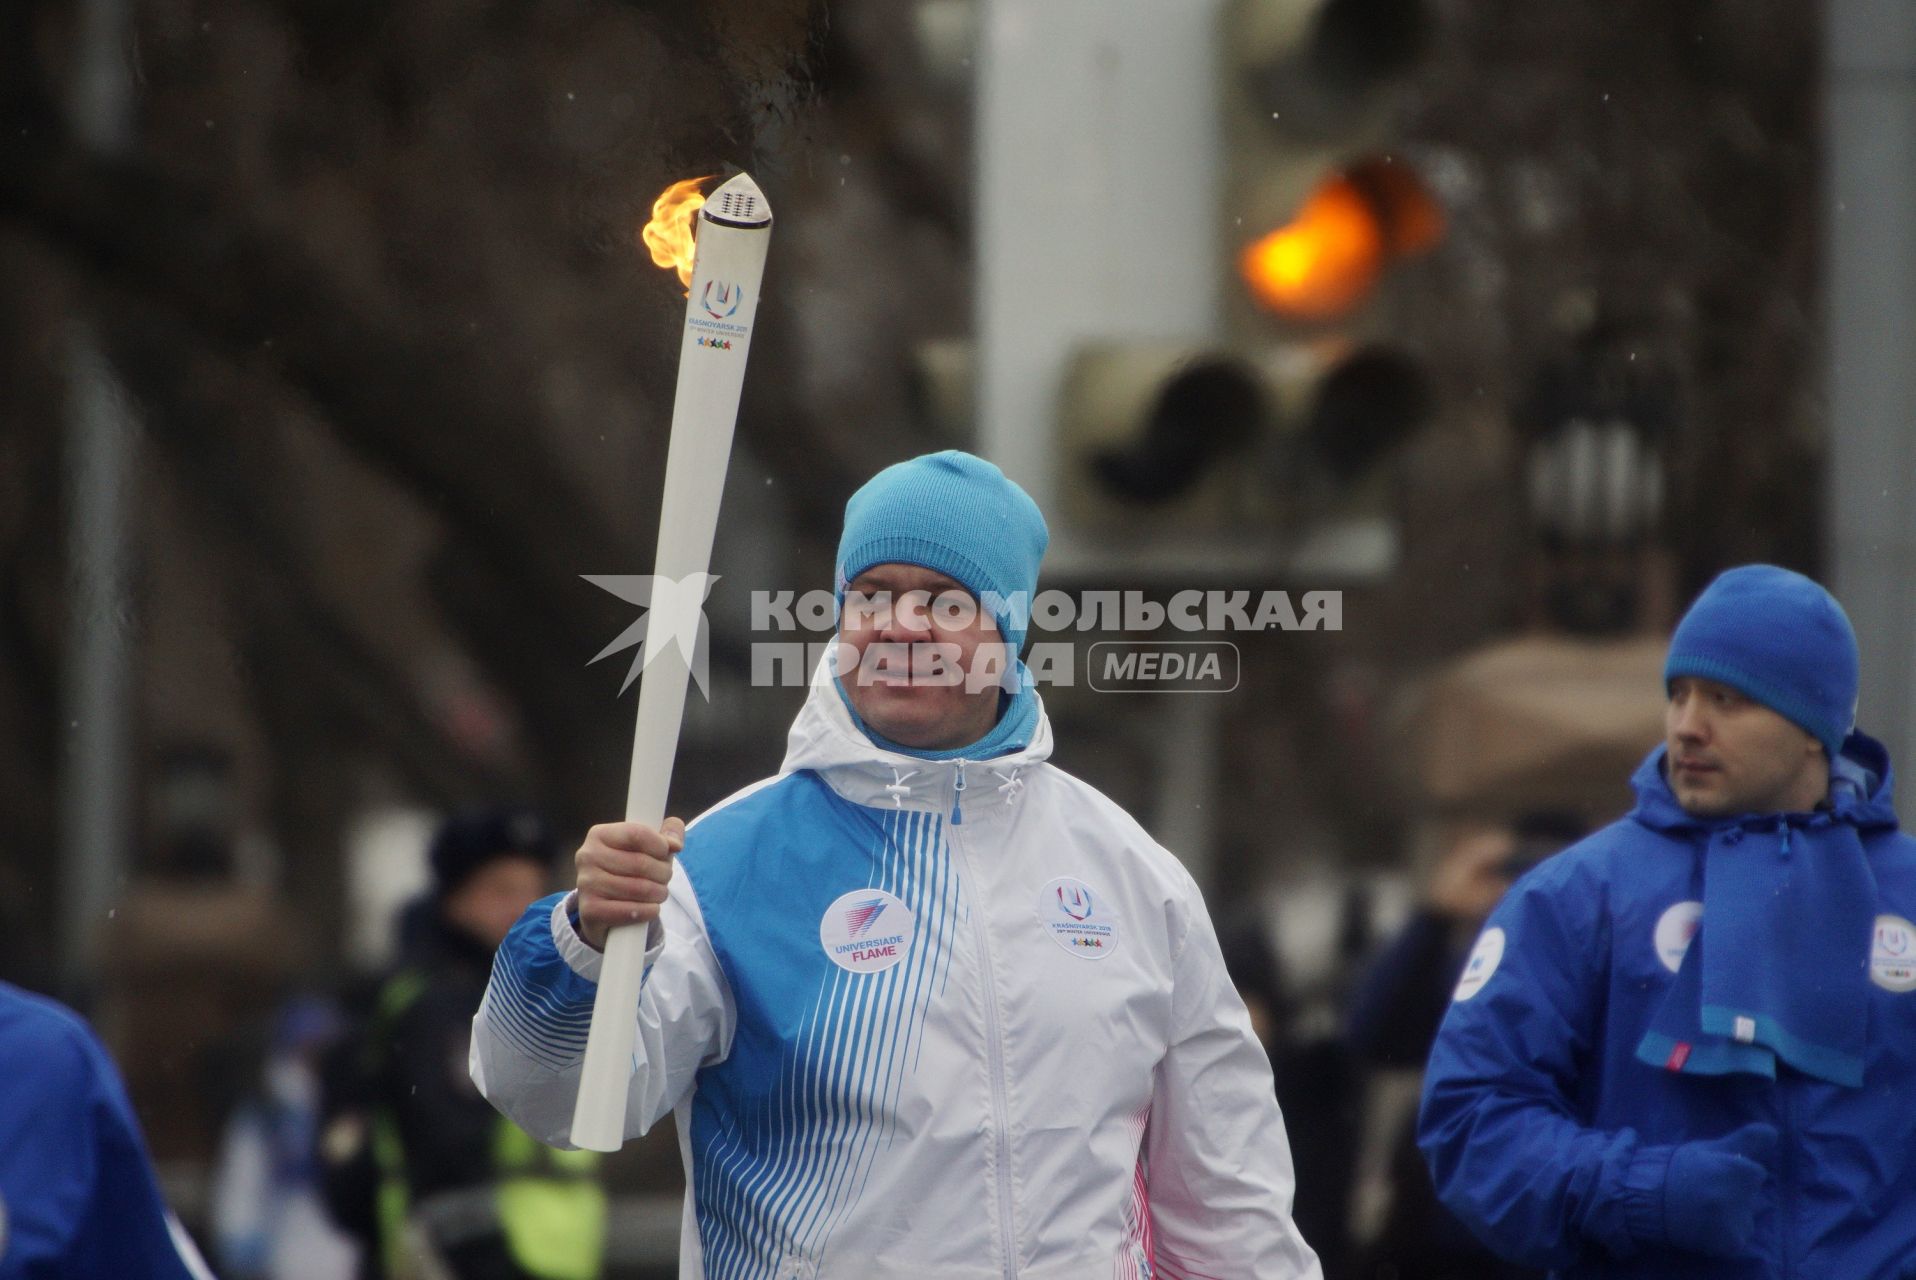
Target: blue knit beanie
column 957, row 515
column 1779, row 638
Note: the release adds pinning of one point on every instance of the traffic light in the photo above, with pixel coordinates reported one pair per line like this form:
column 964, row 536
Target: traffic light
column 1322, row 264
column 1189, row 456
column 1268, row 443
column 1317, row 203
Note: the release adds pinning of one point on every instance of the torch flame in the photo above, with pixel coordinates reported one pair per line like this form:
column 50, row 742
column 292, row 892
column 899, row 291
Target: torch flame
column 669, row 235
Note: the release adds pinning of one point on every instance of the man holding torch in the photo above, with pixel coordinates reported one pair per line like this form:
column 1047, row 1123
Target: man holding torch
column 922, row 1004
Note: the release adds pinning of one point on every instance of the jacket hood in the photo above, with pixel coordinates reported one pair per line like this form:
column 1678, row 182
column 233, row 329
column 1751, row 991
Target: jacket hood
column 1861, row 792
column 825, row 740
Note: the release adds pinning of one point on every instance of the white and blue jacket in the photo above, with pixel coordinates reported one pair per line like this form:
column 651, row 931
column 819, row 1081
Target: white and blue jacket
column 1550, row 1137
column 955, row 1020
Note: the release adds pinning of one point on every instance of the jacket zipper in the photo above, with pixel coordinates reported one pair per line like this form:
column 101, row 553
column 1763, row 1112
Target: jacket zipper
column 958, row 796
column 994, row 1055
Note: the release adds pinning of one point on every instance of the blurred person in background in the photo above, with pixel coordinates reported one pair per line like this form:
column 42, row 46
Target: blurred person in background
column 269, row 1216
column 78, row 1200
column 1321, row 1093
column 436, row 1183
column 924, row 1004
column 1684, row 1048
column 1394, row 1013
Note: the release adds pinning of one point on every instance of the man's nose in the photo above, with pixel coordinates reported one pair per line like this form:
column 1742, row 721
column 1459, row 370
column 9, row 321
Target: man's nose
column 1687, row 720
column 908, row 619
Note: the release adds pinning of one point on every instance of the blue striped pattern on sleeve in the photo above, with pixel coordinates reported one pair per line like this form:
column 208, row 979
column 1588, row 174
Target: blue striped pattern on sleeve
column 535, row 1000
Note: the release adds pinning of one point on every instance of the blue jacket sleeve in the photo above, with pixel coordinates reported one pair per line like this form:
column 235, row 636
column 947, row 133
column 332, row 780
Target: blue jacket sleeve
column 80, row 1193
column 1500, row 1125
column 528, row 1041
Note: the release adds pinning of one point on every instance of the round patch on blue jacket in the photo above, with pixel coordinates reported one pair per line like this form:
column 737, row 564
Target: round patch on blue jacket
column 1675, row 929
column 1078, row 918
column 1484, row 959
column 866, row 931
column 1892, row 954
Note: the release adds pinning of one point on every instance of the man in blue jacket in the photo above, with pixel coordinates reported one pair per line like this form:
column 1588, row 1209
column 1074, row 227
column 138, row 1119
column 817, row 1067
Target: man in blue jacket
column 1686, row 1046
column 77, row 1196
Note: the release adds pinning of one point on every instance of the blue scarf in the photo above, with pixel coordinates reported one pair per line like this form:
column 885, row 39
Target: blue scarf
column 1017, row 723
column 1779, row 965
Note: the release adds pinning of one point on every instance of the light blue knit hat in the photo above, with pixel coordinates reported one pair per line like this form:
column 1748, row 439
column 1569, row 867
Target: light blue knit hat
column 955, row 514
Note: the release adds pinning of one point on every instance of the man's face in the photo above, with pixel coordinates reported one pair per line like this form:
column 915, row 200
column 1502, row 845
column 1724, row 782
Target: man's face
column 492, row 899
column 1730, row 755
column 919, row 659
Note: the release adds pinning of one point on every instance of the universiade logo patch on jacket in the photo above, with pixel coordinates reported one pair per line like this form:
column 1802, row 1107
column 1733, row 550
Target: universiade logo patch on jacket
column 866, row 931
column 1078, row 919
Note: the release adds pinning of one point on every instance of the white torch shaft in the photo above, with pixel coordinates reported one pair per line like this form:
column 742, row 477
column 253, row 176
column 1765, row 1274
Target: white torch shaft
column 733, row 236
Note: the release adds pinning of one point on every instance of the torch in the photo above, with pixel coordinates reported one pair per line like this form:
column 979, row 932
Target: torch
column 734, row 232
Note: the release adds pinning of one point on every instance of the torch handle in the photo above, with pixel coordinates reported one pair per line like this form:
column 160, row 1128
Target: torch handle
column 720, row 307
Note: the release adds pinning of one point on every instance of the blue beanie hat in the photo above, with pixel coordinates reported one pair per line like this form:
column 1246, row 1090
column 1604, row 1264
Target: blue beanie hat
column 955, row 514
column 1779, row 638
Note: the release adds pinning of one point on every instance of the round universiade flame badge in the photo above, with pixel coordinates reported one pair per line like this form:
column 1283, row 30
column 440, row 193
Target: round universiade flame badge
column 1676, row 929
column 866, row 931
column 1078, row 918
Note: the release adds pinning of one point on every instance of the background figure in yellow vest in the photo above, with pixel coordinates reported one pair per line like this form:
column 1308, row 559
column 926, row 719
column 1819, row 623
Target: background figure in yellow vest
column 463, row 1193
